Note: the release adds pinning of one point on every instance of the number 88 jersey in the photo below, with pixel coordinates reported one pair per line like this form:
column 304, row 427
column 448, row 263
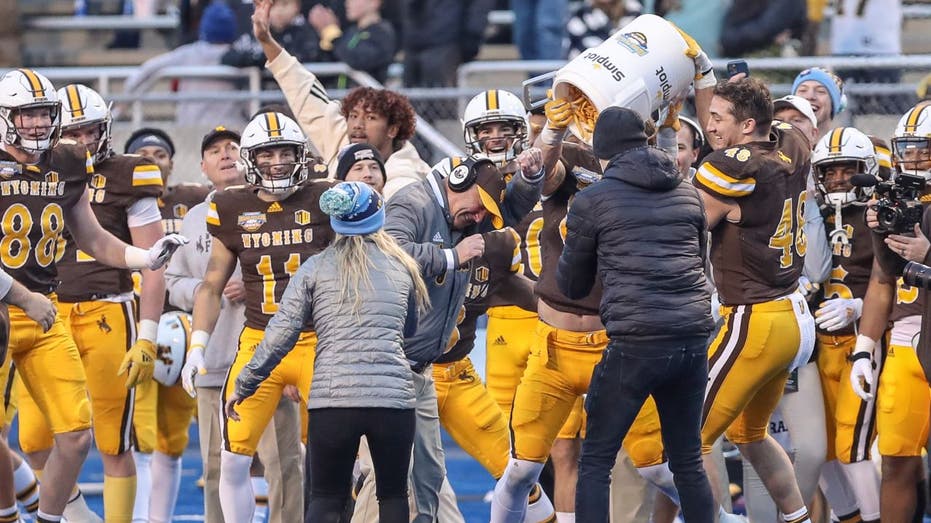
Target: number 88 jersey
column 33, row 201
column 270, row 240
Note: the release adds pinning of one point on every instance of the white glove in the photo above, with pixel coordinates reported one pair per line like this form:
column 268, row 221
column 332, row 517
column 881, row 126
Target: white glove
column 862, row 371
column 837, row 313
column 161, row 252
column 194, row 365
column 807, row 287
column 704, row 72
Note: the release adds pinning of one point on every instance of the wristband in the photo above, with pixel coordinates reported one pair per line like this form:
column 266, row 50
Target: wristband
column 706, row 81
column 864, row 344
column 136, row 258
column 199, row 339
column 148, row 330
column 859, row 356
column 551, row 136
column 532, row 179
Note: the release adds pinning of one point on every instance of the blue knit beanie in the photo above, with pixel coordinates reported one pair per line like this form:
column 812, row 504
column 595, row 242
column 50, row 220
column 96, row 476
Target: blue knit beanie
column 830, row 81
column 354, row 208
column 218, row 23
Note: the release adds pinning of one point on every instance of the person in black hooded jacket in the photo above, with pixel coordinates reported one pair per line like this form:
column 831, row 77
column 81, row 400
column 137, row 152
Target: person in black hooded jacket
column 642, row 228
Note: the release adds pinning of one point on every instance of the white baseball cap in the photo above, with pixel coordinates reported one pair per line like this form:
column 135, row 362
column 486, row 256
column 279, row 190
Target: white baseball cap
column 799, row 104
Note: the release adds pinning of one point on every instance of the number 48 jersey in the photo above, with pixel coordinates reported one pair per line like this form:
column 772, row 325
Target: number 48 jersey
column 760, row 257
column 270, row 239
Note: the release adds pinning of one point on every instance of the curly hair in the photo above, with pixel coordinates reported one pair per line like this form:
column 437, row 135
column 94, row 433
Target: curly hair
column 394, row 106
column 751, row 99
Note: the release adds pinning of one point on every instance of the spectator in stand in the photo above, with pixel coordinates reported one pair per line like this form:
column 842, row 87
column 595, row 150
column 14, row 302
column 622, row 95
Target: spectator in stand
column 593, row 21
column 439, row 35
column 762, row 27
column 369, row 44
column 539, row 27
column 290, row 30
column 217, row 31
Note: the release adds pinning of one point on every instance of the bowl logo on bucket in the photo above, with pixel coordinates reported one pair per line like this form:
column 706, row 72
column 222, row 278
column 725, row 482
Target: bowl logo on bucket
column 635, row 42
column 601, row 60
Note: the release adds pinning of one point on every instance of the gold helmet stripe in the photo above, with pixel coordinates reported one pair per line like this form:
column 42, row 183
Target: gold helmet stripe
column 491, row 99
column 911, row 124
column 74, row 101
column 38, row 91
column 274, row 127
column 836, row 140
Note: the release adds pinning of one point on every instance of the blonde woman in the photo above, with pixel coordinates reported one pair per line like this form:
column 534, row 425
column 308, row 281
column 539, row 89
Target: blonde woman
column 362, row 294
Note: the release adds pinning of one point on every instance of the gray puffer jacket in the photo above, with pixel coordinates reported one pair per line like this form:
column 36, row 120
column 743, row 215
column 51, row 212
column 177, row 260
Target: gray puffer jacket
column 360, row 359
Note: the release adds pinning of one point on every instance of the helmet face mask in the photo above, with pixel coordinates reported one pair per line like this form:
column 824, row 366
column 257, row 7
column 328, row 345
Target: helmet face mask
column 83, row 108
column 495, row 107
column 275, row 153
column 838, row 156
column 911, row 143
column 30, row 112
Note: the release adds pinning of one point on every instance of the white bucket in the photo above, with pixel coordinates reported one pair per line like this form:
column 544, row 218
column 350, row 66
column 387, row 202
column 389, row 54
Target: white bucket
column 642, row 67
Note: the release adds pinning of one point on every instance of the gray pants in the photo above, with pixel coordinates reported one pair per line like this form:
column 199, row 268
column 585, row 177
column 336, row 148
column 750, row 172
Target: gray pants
column 280, row 452
column 432, row 498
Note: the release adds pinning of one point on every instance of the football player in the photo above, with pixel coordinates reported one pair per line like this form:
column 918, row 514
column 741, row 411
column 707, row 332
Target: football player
column 52, row 182
column 96, row 301
column 270, row 226
column 162, row 413
column 754, row 186
column 904, row 399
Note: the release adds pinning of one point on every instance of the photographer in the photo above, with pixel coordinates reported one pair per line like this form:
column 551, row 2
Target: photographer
column 898, row 238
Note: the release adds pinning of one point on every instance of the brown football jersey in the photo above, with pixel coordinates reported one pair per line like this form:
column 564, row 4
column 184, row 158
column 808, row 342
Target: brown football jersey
column 117, row 183
column 500, row 261
column 270, row 239
column 909, row 301
column 32, row 200
column 175, row 202
column 580, row 162
column 759, row 258
column 852, row 257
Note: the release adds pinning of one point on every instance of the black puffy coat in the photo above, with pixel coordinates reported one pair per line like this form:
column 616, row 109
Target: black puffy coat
column 643, row 228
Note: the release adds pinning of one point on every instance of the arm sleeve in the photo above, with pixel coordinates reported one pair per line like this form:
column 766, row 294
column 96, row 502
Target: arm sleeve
column 520, row 198
column 402, row 222
column 368, row 49
column 667, row 140
column 282, row 331
column 318, row 115
column 143, row 212
column 818, row 258
column 578, row 263
column 180, row 280
column 6, row 283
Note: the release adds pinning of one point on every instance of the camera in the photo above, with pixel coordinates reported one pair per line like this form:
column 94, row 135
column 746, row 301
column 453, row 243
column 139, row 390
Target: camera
column 917, row 275
column 898, row 208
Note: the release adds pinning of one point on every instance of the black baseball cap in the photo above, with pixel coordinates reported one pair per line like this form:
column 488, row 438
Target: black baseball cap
column 217, row 133
column 149, row 136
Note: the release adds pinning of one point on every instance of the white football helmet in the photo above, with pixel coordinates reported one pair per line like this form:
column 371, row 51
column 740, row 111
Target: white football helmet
column 174, row 334
column 496, row 106
column 911, row 144
column 845, row 145
column 82, row 106
column 274, row 130
column 23, row 89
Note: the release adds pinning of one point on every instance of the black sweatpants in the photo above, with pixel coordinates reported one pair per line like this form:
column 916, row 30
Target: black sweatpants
column 333, row 441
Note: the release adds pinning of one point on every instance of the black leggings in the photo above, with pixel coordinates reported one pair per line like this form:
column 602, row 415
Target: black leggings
column 333, row 441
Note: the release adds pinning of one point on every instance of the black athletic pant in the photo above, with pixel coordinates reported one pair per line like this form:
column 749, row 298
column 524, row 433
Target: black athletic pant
column 333, row 441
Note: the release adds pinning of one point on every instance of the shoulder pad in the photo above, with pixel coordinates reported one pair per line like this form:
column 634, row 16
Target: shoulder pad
column 728, row 172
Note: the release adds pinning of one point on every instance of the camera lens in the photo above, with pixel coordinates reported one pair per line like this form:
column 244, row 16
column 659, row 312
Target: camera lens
column 917, row 275
column 888, row 217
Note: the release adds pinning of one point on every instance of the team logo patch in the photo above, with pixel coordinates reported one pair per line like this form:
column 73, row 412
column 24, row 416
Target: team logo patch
column 301, row 217
column 98, row 181
column 251, row 221
column 635, row 42
column 9, row 170
column 180, row 210
column 481, row 274
column 52, row 177
column 320, row 168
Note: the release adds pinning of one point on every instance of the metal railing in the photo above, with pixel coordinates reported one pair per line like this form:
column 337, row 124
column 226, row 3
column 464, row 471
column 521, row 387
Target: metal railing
column 104, row 77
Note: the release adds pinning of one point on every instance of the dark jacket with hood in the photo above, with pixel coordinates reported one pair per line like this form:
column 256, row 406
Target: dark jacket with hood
column 643, row 228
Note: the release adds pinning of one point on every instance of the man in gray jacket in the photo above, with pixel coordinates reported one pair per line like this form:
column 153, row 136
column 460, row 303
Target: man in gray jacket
column 279, row 448
column 438, row 221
